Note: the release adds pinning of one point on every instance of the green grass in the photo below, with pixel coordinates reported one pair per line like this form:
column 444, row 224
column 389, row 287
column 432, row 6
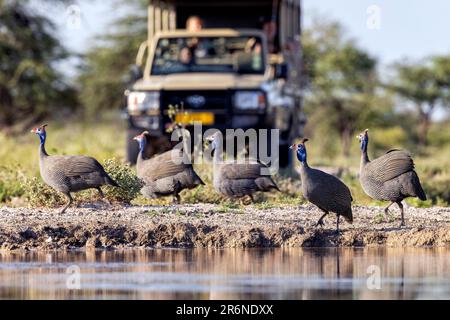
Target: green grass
column 105, row 140
column 432, row 163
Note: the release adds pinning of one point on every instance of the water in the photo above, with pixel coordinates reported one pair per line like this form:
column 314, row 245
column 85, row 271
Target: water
column 227, row 274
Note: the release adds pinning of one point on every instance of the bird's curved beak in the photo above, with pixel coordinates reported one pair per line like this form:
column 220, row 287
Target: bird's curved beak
column 292, row 147
column 34, row 130
column 137, row 138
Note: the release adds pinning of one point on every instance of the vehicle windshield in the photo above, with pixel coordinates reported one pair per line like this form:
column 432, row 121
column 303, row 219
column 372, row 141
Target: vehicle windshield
column 242, row 54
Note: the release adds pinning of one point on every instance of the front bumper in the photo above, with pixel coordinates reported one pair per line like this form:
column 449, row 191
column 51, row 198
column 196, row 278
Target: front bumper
column 159, row 125
column 216, row 102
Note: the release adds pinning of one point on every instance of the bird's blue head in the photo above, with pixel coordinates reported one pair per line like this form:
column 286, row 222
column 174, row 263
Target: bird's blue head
column 142, row 140
column 300, row 150
column 40, row 132
column 363, row 139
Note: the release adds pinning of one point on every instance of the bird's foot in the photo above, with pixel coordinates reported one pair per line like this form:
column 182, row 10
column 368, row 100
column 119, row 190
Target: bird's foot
column 402, row 224
column 176, row 200
column 320, row 223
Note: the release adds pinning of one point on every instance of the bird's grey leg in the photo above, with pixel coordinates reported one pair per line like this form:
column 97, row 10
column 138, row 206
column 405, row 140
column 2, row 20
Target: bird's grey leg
column 176, row 198
column 337, row 223
column 386, row 210
column 400, row 205
column 320, row 221
column 102, row 195
column 68, row 203
column 100, row 192
column 252, row 200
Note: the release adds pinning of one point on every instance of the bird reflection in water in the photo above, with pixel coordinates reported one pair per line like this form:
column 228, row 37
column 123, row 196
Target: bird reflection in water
column 291, row 273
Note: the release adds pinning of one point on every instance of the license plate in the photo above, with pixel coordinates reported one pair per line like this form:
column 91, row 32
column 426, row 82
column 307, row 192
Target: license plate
column 206, row 118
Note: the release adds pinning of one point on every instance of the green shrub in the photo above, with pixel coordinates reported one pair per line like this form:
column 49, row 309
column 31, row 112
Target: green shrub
column 38, row 194
column 416, row 202
column 437, row 190
column 129, row 184
column 10, row 184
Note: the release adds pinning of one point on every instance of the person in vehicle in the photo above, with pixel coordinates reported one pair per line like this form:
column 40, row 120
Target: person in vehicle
column 194, row 24
column 189, row 53
column 253, row 47
column 186, row 56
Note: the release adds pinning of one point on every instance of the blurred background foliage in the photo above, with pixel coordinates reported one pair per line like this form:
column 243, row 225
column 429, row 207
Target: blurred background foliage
column 106, row 66
column 345, row 92
column 31, row 87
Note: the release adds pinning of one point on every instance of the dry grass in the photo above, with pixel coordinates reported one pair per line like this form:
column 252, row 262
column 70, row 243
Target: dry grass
column 106, row 140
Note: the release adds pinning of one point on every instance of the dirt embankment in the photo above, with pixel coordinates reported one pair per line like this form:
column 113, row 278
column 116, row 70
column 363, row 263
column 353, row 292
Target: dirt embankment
column 204, row 225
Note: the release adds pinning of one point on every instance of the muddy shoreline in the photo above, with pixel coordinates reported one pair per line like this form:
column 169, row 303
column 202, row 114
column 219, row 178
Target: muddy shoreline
column 207, row 225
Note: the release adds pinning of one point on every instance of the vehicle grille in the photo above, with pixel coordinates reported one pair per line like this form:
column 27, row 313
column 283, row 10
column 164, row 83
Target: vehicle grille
column 213, row 99
column 216, row 101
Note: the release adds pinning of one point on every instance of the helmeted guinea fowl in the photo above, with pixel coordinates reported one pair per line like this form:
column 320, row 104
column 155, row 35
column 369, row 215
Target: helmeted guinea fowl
column 165, row 174
column 68, row 174
column 390, row 177
column 237, row 180
column 325, row 191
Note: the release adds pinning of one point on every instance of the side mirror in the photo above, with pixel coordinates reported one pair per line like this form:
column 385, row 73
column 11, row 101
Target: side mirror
column 135, row 73
column 243, row 62
column 281, row 71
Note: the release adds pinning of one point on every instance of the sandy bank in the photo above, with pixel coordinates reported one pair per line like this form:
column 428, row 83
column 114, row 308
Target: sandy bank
column 206, row 225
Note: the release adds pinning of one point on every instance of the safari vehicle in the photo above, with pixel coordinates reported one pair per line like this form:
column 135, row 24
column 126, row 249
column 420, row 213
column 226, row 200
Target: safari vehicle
column 241, row 70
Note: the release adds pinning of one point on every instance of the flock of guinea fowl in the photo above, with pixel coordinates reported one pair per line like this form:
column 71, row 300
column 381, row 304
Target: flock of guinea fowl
column 390, row 177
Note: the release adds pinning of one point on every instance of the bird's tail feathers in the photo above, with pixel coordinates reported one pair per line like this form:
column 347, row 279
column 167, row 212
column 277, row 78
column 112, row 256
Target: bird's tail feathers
column 348, row 216
column 199, row 180
column 420, row 193
column 418, row 188
column 111, row 182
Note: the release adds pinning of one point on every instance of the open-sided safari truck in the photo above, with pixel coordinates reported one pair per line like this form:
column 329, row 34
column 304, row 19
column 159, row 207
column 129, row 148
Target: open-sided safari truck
column 240, row 68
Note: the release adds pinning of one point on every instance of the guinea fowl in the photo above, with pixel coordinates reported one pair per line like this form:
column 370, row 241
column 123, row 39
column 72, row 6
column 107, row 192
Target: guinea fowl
column 165, row 174
column 237, row 180
column 325, row 191
column 390, row 177
column 68, row 174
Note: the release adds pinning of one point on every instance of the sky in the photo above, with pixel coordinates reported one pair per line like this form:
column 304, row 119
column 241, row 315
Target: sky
column 391, row 30
column 406, row 29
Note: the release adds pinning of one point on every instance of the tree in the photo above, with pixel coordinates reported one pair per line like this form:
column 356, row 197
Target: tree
column 341, row 81
column 107, row 63
column 30, row 86
column 427, row 86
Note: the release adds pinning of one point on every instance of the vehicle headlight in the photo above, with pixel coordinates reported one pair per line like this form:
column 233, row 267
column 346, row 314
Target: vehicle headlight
column 249, row 100
column 143, row 101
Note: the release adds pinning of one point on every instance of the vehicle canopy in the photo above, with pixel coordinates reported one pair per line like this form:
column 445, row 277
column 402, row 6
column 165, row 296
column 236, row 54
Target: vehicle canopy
column 280, row 20
column 284, row 15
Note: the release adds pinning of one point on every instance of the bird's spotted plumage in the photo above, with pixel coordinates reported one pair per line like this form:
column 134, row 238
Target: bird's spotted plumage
column 68, row 174
column 165, row 174
column 325, row 191
column 390, row 177
column 237, row 180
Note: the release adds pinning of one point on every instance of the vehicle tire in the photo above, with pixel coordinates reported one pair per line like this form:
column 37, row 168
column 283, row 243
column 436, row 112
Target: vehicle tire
column 132, row 146
column 285, row 156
